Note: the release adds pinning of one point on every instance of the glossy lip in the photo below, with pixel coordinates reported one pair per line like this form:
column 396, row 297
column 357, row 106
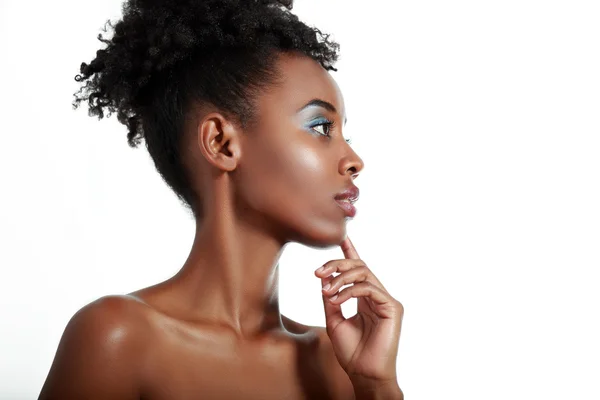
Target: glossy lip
column 351, row 194
column 348, row 208
column 346, row 199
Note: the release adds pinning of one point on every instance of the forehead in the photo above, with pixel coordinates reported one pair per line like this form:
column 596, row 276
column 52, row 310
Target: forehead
column 303, row 79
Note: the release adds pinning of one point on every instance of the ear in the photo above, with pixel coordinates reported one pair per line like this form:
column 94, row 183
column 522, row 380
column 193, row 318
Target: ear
column 219, row 141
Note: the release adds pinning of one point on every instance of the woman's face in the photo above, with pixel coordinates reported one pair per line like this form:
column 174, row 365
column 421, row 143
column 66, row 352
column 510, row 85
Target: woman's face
column 293, row 162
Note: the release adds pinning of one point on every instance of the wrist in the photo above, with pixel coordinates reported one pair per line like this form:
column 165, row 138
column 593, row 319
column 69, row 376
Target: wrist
column 366, row 389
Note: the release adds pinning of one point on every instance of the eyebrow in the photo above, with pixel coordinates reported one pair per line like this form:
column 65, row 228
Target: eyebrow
column 321, row 103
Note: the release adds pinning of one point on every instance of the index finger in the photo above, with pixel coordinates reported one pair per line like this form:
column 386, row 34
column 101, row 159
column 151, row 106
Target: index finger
column 348, row 249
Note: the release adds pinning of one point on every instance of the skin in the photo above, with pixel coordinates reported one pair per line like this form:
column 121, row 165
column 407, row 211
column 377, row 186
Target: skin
column 214, row 330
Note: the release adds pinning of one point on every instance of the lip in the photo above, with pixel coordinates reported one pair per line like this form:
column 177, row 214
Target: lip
column 351, row 193
column 346, row 200
column 348, row 208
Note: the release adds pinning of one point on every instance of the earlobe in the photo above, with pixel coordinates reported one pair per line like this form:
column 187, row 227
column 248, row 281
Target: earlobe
column 219, row 142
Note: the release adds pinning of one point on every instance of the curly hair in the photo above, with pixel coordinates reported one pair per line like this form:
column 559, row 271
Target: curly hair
column 166, row 55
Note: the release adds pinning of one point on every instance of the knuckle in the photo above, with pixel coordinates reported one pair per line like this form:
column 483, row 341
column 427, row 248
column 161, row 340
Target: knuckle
column 364, row 270
column 400, row 307
column 346, row 265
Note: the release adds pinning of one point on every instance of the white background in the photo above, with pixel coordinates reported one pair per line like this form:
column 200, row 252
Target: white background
column 479, row 125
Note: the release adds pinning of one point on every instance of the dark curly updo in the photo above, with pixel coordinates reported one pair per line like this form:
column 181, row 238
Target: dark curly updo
column 165, row 55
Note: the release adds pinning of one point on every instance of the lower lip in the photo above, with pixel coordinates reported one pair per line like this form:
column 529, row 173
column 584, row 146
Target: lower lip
column 347, row 207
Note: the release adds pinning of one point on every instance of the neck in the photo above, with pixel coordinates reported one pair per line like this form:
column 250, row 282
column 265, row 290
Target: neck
column 231, row 276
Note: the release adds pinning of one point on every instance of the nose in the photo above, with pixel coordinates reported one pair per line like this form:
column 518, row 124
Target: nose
column 352, row 163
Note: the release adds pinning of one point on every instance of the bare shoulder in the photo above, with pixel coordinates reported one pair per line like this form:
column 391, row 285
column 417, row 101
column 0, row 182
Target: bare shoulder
column 100, row 352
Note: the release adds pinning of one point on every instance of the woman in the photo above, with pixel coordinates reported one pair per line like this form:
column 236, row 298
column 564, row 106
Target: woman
column 244, row 122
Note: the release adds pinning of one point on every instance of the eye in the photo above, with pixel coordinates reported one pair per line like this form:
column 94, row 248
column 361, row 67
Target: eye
column 325, row 132
column 326, row 129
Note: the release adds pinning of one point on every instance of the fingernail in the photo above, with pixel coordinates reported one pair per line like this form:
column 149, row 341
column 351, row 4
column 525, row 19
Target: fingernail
column 327, row 286
column 333, row 297
column 321, row 269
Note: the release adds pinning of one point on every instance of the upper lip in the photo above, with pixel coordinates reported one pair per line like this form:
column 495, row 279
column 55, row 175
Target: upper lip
column 350, row 194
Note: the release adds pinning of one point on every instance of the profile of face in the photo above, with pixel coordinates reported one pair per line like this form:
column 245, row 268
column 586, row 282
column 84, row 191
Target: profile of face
column 296, row 159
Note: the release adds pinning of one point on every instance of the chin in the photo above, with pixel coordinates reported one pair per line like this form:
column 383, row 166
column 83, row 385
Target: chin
column 323, row 235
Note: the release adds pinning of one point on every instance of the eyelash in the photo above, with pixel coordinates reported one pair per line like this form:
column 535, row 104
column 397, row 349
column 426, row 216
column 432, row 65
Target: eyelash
column 329, row 124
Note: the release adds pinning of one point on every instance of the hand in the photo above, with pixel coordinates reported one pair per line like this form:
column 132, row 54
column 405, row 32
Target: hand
column 366, row 345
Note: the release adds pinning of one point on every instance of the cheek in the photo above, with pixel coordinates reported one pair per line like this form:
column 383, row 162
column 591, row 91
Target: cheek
column 289, row 176
column 293, row 185
column 309, row 168
column 309, row 189
column 305, row 174
column 306, row 184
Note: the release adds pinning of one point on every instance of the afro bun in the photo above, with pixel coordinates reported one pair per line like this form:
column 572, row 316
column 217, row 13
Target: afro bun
column 164, row 55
